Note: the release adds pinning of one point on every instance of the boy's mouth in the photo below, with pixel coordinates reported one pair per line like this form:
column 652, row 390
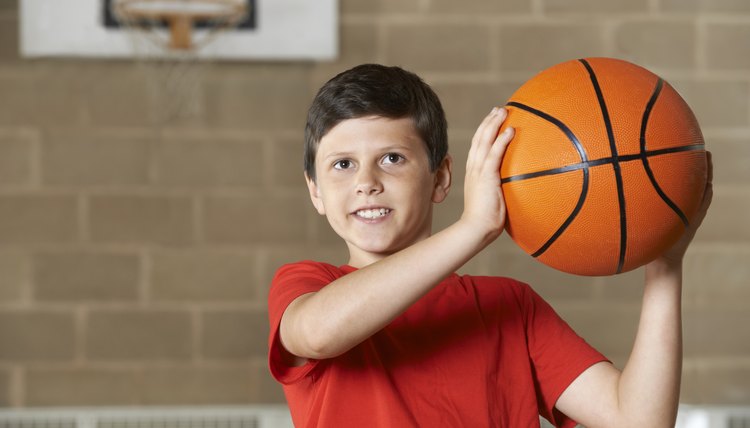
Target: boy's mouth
column 373, row 213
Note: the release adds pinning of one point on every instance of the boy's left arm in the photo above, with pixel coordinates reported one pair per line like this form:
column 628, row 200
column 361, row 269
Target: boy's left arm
column 646, row 393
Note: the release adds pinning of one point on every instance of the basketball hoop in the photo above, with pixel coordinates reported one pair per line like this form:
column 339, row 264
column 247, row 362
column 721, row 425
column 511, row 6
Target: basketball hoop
column 180, row 16
column 170, row 56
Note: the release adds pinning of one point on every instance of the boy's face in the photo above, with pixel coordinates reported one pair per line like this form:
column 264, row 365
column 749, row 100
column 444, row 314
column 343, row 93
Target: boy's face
column 374, row 184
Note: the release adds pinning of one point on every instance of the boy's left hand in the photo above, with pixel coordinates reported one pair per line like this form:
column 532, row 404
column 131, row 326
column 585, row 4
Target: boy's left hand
column 675, row 254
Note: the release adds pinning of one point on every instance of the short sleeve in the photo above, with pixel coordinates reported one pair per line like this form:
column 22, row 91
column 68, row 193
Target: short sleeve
column 290, row 282
column 558, row 355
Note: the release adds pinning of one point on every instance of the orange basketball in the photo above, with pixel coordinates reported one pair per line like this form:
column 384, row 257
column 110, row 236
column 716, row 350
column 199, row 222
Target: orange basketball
column 606, row 169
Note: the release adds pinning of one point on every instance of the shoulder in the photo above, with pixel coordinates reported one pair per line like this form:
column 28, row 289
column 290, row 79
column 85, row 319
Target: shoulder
column 499, row 286
column 517, row 298
column 294, row 279
column 308, row 268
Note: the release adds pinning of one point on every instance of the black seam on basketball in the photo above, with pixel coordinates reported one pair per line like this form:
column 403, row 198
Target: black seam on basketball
column 602, row 161
column 568, row 133
column 557, row 122
column 584, row 161
column 668, row 150
column 644, row 159
column 615, row 164
column 571, row 217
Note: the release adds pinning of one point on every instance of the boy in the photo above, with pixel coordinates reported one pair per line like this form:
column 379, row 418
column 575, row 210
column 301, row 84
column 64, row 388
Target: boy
column 395, row 338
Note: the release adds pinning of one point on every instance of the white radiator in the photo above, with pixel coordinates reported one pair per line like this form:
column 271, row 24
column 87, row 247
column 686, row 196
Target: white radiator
column 269, row 416
column 713, row 417
column 265, row 416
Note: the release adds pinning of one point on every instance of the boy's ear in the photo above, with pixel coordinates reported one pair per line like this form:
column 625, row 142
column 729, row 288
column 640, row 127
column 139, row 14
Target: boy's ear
column 314, row 190
column 443, row 180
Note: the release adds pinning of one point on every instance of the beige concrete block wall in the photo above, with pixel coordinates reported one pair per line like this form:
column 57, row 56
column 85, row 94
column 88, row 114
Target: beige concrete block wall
column 136, row 252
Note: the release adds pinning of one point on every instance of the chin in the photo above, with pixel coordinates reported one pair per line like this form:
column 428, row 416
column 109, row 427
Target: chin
column 376, row 250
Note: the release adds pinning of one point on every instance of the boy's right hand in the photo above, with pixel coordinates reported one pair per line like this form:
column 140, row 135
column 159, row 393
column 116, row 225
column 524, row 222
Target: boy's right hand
column 484, row 206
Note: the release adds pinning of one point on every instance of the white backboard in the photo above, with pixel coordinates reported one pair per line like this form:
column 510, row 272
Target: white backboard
column 284, row 30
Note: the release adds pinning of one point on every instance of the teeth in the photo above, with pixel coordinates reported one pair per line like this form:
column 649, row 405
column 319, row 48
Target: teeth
column 369, row 214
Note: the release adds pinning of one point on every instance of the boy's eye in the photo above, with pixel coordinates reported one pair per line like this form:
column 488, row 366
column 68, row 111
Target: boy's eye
column 392, row 158
column 342, row 164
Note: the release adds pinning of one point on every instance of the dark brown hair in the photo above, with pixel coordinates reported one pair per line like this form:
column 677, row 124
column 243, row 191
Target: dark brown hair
column 377, row 90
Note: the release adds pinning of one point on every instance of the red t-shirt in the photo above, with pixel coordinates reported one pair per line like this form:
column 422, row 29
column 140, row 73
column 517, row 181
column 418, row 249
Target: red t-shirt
column 473, row 352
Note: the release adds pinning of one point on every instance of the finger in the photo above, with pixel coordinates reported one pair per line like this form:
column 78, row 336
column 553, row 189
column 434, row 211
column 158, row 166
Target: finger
column 498, row 149
column 492, row 126
column 487, row 133
column 478, row 134
column 503, row 139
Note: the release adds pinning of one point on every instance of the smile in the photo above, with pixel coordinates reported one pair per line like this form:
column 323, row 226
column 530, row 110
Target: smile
column 371, row 214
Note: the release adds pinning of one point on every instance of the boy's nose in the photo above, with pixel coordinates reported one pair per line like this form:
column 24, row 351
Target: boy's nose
column 368, row 182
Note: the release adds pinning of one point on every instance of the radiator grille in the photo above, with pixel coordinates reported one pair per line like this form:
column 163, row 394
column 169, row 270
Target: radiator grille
column 270, row 416
column 246, row 422
column 739, row 421
column 691, row 416
column 245, row 417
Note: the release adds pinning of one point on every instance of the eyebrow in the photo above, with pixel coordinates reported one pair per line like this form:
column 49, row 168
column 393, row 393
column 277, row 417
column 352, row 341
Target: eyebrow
column 337, row 155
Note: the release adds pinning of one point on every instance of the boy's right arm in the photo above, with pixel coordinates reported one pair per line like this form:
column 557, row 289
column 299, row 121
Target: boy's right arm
column 333, row 320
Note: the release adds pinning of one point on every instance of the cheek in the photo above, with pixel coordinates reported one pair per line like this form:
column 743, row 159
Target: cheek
column 335, row 182
column 332, row 201
column 422, row 190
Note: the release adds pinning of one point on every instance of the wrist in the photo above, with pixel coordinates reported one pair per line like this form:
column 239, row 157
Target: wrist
column 665, row 265
column 664, row 271
column 482, row 236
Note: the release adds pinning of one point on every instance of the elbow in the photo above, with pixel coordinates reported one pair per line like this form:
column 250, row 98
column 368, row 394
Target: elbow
column 314, row 352
column 320, row 345
column 314, row 342
column 307, row 333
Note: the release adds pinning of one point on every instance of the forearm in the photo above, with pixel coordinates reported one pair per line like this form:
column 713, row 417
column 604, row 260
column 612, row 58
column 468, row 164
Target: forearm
column 649, row 387
column 647, row 392
column 354, row 307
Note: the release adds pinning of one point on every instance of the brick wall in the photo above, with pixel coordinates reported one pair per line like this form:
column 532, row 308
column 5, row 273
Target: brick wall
column 135, row 254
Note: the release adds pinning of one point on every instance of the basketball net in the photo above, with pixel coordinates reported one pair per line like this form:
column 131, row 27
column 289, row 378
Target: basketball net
column 170, row 57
